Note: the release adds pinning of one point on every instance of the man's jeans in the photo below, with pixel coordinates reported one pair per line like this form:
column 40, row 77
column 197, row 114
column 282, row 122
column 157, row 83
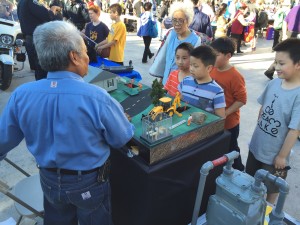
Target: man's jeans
column 72, row 198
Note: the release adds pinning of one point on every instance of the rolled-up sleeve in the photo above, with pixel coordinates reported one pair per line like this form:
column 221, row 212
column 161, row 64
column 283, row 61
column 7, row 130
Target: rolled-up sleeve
column 118, row 130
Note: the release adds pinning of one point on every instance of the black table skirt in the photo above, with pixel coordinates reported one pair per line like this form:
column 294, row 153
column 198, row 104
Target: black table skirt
column 163, row 193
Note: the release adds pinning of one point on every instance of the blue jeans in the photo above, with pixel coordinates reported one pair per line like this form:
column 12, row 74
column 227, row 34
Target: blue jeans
column 69, row 199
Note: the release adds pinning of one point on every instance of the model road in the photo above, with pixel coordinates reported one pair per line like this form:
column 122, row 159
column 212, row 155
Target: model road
column 137, row 103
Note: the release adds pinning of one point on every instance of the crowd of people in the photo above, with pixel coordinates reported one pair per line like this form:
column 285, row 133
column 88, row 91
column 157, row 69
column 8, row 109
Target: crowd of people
column 72, row 142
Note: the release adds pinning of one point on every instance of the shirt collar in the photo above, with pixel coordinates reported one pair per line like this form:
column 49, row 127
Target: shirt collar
column 64, row 75
column 196, row 82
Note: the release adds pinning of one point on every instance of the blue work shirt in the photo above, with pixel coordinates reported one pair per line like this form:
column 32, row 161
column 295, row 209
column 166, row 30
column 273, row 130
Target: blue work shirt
column 66, row 122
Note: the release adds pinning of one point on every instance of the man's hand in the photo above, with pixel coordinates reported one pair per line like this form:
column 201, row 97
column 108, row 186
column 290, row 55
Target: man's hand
column 128, row 117
column 279, row 162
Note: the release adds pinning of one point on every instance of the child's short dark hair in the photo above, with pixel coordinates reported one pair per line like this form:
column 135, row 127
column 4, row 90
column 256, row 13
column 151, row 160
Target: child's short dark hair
column 147, row 6
column 195, row 2
column 224, row 45
column 185, row 46
column 116, row 7
column 290, row 46
column 206, row 54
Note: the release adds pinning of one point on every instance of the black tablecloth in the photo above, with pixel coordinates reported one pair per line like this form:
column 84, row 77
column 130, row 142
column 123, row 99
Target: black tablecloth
column 163, row 193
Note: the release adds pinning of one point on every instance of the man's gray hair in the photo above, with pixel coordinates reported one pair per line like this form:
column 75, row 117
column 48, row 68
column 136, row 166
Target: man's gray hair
column 186, row 7
column 54, row 41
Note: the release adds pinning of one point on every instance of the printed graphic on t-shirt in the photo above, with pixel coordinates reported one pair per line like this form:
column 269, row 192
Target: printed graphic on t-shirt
column 267, row 122
column 93, row 35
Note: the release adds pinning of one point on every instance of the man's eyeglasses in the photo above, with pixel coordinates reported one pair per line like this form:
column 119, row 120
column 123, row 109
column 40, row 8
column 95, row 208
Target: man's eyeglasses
column 179, row 21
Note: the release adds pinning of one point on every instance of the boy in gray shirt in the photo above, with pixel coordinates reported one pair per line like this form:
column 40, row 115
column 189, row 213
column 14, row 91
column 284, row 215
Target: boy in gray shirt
column 278, row 123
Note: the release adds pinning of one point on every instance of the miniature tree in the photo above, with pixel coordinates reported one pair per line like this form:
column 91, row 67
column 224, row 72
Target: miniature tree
column 157, row 91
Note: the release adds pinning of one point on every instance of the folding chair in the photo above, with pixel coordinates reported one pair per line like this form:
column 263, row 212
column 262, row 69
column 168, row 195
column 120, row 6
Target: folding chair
column 27, row 194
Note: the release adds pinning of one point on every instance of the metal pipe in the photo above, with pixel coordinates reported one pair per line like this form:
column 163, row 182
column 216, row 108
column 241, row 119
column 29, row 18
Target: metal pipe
column 17, row 167
column 277, row 215
column 204, row 171
column 259, row 176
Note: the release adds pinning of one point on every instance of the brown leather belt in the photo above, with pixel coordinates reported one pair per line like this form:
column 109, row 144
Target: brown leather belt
column 72, row 172
column 103, row 171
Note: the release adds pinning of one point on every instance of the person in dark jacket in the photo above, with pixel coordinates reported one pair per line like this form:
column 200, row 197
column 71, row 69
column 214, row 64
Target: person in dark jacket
column 61, row 5
column 201, row 21
column 31, row 14
column 77, row 12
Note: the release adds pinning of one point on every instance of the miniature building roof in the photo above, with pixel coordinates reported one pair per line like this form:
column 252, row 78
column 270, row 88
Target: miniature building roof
column 95, row 75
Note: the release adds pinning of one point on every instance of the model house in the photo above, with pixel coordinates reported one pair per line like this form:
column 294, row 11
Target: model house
column 101, row 78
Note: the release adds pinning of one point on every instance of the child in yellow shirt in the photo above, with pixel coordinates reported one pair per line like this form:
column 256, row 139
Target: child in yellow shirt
column 117, row 36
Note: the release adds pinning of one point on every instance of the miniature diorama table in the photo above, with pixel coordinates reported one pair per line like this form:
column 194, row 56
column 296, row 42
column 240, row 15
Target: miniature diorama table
column 158, row 186
column 160, row 189
column 183, row 135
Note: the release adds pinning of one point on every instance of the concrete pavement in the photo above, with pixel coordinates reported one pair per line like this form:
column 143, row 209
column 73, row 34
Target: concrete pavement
column 251, row 65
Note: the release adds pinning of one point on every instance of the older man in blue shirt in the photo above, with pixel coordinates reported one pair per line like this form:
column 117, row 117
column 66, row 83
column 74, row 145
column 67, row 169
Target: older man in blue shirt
column 68, row 126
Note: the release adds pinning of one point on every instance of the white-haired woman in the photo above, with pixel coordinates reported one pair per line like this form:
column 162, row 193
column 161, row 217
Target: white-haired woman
column 182, row 14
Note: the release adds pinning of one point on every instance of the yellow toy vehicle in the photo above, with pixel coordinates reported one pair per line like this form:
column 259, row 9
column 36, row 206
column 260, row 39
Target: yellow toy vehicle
column 166, row 106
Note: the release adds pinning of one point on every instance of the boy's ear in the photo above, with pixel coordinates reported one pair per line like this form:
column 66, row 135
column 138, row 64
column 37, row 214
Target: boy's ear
column 297, row 65
column 209, row 68
column 228, row 56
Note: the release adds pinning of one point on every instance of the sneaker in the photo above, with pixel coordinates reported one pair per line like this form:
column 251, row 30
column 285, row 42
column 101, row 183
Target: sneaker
column 239, row 52
column 269, row 74
column 151, row 55
column 144, row 61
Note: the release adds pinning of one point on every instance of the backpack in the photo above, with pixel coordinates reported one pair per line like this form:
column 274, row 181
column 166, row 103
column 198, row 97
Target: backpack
column 205, row 39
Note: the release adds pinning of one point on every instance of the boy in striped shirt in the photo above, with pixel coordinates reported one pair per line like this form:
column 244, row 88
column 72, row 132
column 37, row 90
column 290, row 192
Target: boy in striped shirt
column 199, row 89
